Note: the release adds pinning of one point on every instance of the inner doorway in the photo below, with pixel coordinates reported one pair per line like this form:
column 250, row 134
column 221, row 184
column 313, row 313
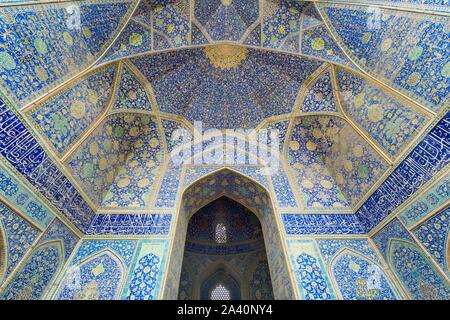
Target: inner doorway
column 225, row 256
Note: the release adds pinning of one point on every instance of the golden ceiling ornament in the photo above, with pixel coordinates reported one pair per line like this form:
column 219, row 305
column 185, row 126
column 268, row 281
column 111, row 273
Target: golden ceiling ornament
column 226, row 56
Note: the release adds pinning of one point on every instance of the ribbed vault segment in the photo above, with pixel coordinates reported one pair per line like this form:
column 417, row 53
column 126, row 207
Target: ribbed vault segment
column 47, row 44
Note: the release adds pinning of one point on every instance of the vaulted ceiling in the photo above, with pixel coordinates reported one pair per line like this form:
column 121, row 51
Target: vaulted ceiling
column 103, row 84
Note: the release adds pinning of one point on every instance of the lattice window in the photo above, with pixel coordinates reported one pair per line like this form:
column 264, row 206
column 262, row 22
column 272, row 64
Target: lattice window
column 221, row 233
column 220, row 292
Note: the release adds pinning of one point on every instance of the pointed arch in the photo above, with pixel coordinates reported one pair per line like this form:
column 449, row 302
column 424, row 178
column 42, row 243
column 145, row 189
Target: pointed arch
column 254, row 197
column 421, row 279
column 230, row 191
column 225, row 168
column 251, row 137
column 37, row 272
column 368, row 279
column 80, row 281
column 221, row 274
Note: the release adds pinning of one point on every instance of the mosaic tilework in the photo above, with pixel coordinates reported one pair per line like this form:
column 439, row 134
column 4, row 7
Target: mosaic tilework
column 264, row 84
column 195, row 173
column 64, row 117
column 141, row 14
column 160, row 42
column 355, row 165
column 291, row 44
column 135, row 38
column 147, row 271
column 360, row 279
column 176, row 259
column 34, row 277
column 282, row 287
column 226, row 150
column 95, row 161
column 19, row 147
column 356, row 269
column 252, row 196
column 133, row 183
column 389, row 122
column 145, row 274
column 167, row 193
column 260, row 285
column 97, row 270
column 46, row 44
column 18, row 235
column 58, row 231
column 434, row 236
column 393, row 230
column 281, row 19
column 320, row 96
column 25, row 201
column 171, row 19
column 198, row 37
column 318, row 42
column 311, row 17
column 226, row 20
column 321, row 224
column 253, row 172
column 436, row 196
column 119, row 172
column 122, row 248
column 409, row 50
column 131, row 93
column 237, row 187
column 169, row 127
column 98, row 278
column 254, row 37
column 312, row 278
column 281, row 127
column 416, row 272
column 317, row 186
column 425, row 160
column 250, row 267
column 130, row 224
column 220, row 276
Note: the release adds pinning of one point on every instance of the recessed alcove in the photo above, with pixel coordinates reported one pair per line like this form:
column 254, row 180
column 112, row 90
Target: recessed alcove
column 225, row 255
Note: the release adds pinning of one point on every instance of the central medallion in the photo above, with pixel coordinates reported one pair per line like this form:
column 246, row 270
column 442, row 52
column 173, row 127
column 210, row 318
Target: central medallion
column 226, row 56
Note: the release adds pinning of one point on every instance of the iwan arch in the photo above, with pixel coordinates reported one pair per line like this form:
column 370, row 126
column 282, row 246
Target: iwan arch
column 355, row 94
